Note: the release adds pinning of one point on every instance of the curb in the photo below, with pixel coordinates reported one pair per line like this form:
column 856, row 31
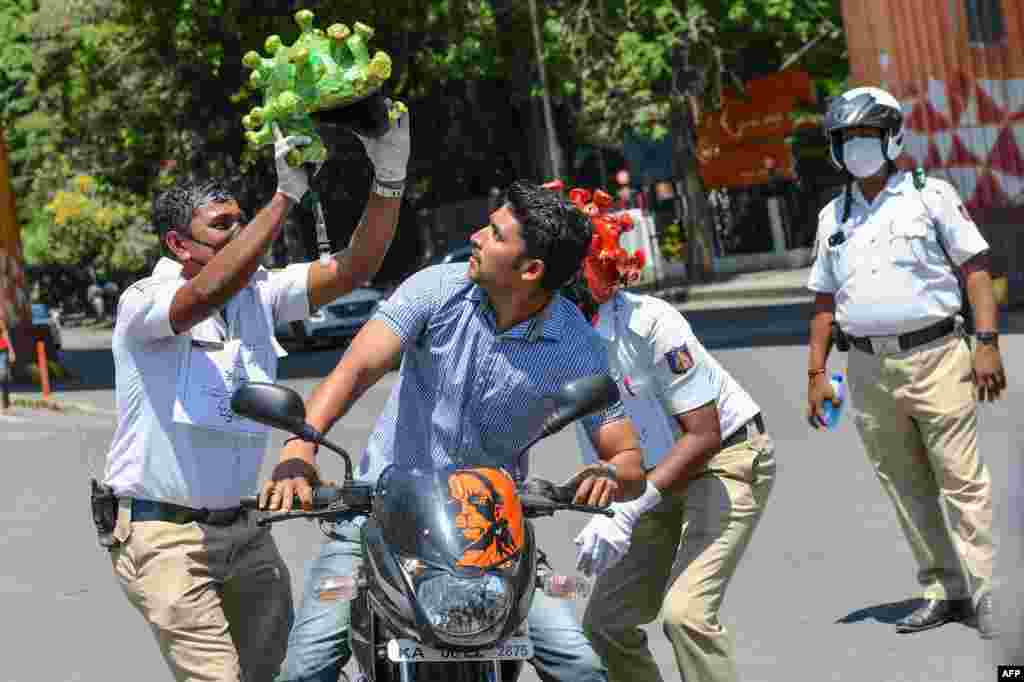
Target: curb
column 739, row 293
column 60, row 406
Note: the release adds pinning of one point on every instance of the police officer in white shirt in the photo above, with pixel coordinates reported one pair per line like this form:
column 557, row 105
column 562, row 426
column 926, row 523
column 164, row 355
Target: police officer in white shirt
column 710, row 470
column 210, row 583
column 892, row 251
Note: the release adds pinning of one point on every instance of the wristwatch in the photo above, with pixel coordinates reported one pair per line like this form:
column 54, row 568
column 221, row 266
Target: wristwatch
column 987, row 338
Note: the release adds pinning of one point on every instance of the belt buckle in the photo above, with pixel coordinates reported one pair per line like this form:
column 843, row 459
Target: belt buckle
column 886, row 345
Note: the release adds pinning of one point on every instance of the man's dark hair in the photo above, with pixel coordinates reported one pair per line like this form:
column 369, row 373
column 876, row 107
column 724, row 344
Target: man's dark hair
column 555, row 231
column 173, row 209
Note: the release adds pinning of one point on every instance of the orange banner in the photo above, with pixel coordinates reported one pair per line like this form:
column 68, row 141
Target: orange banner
column 749, row 165
column 743, row 142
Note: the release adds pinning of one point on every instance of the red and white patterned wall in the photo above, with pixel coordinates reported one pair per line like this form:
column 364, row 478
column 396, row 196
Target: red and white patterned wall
column 970, row 131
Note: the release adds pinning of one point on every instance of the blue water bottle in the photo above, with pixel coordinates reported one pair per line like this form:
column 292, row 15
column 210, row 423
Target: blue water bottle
column 834, row 410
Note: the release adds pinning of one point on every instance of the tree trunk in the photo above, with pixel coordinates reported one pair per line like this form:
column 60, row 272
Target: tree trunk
column 554, row 166
column 512, row 18
column 696, row 212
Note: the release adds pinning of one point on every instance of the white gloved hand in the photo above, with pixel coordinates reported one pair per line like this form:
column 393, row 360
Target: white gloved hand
column 389, row 153
column 605, row 540
column 291, row 182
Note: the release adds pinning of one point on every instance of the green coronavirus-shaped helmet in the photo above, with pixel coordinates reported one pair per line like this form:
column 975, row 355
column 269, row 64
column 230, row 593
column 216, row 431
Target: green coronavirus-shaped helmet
column 320, row 71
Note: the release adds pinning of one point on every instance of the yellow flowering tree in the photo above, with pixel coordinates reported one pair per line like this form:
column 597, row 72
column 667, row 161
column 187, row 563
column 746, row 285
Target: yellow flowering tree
column 88, row 222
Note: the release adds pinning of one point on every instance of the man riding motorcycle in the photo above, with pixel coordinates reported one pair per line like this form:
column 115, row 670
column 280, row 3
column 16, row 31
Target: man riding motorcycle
column 479, row 347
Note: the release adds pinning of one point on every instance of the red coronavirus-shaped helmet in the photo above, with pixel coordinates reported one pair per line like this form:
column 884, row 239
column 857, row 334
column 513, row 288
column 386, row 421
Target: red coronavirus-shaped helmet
column 607, row 265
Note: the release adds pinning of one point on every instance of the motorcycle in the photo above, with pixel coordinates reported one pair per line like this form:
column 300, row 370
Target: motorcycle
column 451, row 561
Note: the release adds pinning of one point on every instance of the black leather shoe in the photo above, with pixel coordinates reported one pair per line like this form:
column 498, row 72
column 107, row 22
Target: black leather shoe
column 933, row 613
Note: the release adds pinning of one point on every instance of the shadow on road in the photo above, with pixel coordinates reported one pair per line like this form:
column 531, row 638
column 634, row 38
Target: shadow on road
column 883, row 613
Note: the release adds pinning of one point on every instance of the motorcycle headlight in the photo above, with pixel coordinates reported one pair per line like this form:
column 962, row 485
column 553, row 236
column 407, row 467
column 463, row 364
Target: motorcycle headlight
column 461, row 607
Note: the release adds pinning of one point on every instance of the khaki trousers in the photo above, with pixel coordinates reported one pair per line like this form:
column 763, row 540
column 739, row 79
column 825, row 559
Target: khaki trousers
column 682, row 556
column 916, row 414
column 218, row 598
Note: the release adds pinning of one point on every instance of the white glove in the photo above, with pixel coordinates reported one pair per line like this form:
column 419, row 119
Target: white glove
column 389, row 153
column 291, row 182
column 605, row 540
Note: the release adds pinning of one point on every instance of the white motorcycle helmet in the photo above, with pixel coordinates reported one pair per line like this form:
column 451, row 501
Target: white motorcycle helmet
column 866, row 106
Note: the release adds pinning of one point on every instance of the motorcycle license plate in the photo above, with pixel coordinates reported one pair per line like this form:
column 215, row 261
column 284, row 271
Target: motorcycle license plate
column 411, row 651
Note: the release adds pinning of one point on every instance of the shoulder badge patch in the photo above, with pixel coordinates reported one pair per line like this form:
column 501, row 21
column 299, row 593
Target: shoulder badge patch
column 680, row 361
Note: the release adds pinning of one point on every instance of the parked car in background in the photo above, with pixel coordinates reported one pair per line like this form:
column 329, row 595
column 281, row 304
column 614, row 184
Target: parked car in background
column 46, row 323
column 336, row 322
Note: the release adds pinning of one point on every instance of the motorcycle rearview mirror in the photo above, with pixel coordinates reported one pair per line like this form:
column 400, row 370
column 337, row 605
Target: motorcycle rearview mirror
column 275, row 406
column 579, row 398
column 573, row 400
column 280, row 407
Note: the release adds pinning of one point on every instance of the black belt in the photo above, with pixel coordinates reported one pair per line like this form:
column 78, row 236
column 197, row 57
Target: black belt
column 911, row 339
column 147, row 510
column 742, row 434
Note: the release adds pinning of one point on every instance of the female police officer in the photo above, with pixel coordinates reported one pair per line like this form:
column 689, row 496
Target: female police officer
column 892, row 250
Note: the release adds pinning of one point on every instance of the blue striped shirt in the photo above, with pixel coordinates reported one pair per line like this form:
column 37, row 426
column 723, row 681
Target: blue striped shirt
column 467, row 393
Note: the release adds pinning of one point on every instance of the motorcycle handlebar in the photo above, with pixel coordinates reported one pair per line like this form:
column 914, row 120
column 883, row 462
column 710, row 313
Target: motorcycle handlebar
column 323, row 497
column 540, row 498
column 542, row 505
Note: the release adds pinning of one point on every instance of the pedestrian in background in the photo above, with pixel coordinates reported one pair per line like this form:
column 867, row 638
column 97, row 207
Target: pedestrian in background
column 111, row 292
column 94, row 294
column 892, row 251
column 7, row 359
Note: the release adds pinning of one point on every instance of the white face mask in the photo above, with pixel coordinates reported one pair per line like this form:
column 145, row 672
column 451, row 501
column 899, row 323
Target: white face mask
column 863, row 156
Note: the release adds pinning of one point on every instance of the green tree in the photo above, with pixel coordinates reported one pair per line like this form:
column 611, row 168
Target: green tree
column 138, row 93
column 652, row 65
column 93, row 223
column 15, row 76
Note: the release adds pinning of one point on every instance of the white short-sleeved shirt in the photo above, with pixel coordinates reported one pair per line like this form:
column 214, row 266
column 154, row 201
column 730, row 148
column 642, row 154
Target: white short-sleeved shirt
column 887, row 269
column 152, row 457
column 663, row 371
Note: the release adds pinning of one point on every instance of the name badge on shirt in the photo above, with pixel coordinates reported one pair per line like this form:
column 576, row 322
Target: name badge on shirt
column 211, row 373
